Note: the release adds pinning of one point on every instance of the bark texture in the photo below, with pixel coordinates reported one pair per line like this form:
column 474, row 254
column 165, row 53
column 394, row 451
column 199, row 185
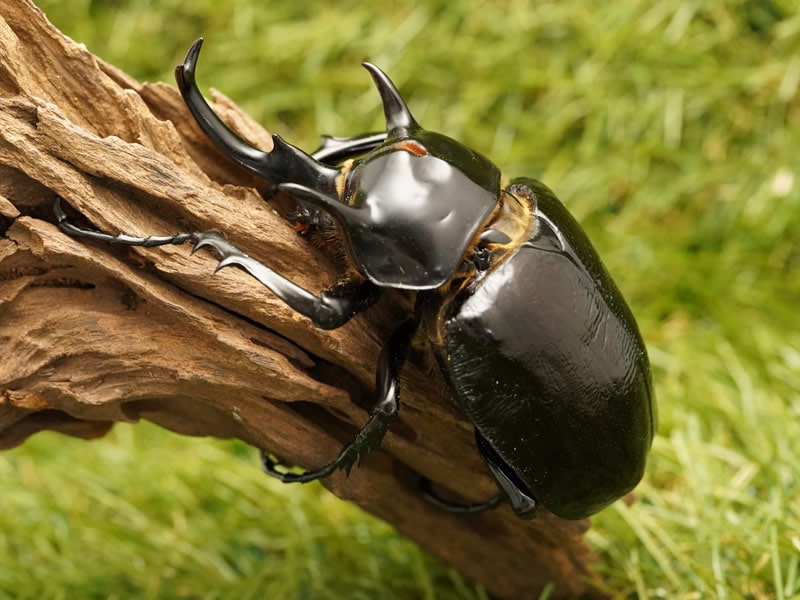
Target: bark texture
column 92, row 334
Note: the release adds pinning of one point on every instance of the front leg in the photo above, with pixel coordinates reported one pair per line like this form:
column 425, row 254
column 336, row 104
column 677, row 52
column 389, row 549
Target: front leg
column 384, row 413
column 331, row 309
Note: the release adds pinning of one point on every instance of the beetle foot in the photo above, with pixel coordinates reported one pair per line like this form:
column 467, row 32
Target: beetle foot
column 274, row 469
column 231, row 255
column 426, row 487
column 365, row 441
column 122, row 239
column 350, row 456
column 224, row 248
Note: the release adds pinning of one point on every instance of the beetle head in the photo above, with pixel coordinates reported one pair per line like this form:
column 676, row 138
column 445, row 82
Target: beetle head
column 411, row 207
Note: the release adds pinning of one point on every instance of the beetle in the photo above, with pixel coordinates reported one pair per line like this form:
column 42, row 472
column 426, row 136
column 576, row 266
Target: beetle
column 529, row 331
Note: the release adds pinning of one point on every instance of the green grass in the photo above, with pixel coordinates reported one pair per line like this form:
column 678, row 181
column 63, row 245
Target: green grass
column 145, row 514
column 671, row 128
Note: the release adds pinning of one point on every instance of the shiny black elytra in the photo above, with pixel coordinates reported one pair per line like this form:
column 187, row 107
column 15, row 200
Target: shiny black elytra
column 535, row 341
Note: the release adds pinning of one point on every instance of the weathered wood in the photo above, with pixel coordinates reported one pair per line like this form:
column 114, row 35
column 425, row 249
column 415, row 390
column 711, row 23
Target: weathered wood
column 92, row 334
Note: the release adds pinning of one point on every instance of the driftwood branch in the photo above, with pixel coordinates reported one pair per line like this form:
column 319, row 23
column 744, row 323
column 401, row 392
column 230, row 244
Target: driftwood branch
column 92, row 334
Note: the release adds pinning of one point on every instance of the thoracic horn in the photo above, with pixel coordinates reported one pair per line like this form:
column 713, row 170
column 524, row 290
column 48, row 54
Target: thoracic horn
column 399, row 120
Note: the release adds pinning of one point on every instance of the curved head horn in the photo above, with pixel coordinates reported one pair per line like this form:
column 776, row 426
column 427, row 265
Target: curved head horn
column 281, row 164
column 394, row 107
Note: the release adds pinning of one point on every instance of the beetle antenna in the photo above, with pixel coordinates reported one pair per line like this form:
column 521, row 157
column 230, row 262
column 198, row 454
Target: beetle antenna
column 398, row 118
column 281, row 164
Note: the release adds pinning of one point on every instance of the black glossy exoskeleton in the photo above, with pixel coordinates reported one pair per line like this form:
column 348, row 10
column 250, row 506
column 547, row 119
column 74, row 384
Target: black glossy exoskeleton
column 530, row 333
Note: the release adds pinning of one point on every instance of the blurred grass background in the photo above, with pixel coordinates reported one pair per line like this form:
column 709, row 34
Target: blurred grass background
column 670, row 128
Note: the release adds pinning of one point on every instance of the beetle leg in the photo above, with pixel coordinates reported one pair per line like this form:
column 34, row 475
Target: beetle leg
column 426, row 487
column 331, row 309
column 121, row 239
column 524, row 506
column 383, row 414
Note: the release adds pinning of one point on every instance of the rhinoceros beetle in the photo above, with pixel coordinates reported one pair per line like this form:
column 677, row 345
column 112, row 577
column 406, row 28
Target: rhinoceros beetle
column 530, row 333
